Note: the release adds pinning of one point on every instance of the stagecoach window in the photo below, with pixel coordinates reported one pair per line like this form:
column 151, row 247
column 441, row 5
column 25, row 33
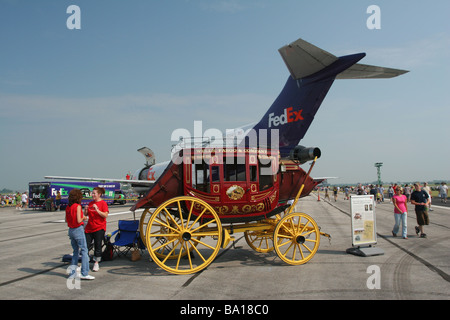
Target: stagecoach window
column 200, row 177
column 234, row 169
column 253, row 173
column 265, row 175
column 215, row 174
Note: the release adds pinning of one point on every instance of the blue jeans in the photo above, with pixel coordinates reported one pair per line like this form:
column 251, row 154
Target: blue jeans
column 78, row 242
column 400, row 217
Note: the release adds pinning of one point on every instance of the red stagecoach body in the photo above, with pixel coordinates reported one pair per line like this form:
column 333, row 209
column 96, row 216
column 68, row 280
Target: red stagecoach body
column 241, row 184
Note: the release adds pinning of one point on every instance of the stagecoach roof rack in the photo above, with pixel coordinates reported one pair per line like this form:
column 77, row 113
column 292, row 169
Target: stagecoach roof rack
column 204, row 142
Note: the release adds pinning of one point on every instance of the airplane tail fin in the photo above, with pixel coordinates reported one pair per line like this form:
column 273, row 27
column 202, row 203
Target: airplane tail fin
column 313, row 71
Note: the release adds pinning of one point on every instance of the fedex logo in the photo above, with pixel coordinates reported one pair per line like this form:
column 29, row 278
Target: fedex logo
column 151, row 175
column 288, row 116
column 64, row 192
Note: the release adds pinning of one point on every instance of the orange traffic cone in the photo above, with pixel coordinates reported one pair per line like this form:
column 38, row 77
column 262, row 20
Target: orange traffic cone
column 318, row 196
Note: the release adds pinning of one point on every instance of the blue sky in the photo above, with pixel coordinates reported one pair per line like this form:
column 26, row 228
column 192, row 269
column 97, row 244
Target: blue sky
column 81, row 102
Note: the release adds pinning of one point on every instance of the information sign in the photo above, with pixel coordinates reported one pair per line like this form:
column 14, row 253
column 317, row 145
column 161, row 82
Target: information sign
column 362, row 209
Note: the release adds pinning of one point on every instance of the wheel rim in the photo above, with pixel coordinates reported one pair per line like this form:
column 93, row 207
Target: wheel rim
column 143, row 222
column 173, row 231
column 296, row 238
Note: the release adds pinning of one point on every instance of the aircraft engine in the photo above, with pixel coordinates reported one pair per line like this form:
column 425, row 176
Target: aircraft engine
column 303, row 154
column 141, row 174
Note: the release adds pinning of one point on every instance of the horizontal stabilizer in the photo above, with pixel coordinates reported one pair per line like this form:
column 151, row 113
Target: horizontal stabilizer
column 304, row 59
column 149, row 156
column 364, row 71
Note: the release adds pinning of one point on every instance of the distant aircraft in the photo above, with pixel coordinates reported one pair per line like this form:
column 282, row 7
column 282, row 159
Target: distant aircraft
column 313, row 71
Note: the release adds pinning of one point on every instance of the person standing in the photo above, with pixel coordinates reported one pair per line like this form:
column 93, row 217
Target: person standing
column 427, row 189
column 407, row 192
column 390, row 193
column 75, row 221
column 327, row 196
column 400, row 212
column 443, row 192
column 18, row 201
column 420, row 199
column 58, row 201
column 97, row 210
column 24, row 200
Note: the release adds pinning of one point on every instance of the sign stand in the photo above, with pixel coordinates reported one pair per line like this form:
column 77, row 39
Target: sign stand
column 364, row 235
column 366, row 251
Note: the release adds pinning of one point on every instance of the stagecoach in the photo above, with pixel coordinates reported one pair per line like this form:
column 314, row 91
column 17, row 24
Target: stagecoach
column 206, row 195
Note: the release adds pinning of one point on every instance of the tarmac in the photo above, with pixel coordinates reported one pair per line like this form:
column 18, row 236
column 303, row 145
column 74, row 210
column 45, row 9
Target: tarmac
column 33, row 243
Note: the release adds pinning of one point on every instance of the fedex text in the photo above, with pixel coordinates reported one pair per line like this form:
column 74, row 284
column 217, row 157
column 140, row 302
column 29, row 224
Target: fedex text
column 288, row 116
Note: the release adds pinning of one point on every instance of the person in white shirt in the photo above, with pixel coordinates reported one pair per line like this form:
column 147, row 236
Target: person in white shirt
column 24, row 200
column 443, row 192
column 427, row 189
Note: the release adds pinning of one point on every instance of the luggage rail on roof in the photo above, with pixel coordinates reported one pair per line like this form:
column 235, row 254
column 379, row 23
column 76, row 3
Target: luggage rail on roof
column 203, row 142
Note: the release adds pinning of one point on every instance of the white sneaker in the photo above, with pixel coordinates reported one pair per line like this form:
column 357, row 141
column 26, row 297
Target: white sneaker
column 88, row 277
column 95, row 267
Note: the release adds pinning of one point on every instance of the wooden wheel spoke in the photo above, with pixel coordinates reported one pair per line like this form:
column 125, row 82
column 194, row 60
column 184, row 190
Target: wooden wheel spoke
column 199, row 216
column 179, row 256
column 167, row 226
column 171, row 218
column 301, row 252
column 188, row 253
column 203, row 226
column 198, row 252
column 171, row 252
column 287, row 250
column 284, row 243
column 202, row 243
column 190, row 214
column 180, row 213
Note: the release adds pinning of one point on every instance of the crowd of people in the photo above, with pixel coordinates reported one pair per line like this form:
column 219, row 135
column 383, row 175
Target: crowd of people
column 19, row 200
column 380, row 192
column 416, row 194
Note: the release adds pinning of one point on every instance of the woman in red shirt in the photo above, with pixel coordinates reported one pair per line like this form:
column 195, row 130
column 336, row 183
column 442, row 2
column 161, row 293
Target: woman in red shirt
column 75, row 219
column 97, row 211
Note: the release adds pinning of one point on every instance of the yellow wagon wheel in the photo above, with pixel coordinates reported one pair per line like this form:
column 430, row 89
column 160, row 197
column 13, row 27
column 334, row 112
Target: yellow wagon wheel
column 170, row 235
column 143, row 222
column 296, row 238
column 260, row 241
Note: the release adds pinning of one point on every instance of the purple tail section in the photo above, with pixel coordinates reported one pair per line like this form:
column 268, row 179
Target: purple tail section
column 294, row 109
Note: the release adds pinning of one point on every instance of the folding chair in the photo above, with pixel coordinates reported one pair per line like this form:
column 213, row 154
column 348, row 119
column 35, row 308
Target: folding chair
column 126, row 237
